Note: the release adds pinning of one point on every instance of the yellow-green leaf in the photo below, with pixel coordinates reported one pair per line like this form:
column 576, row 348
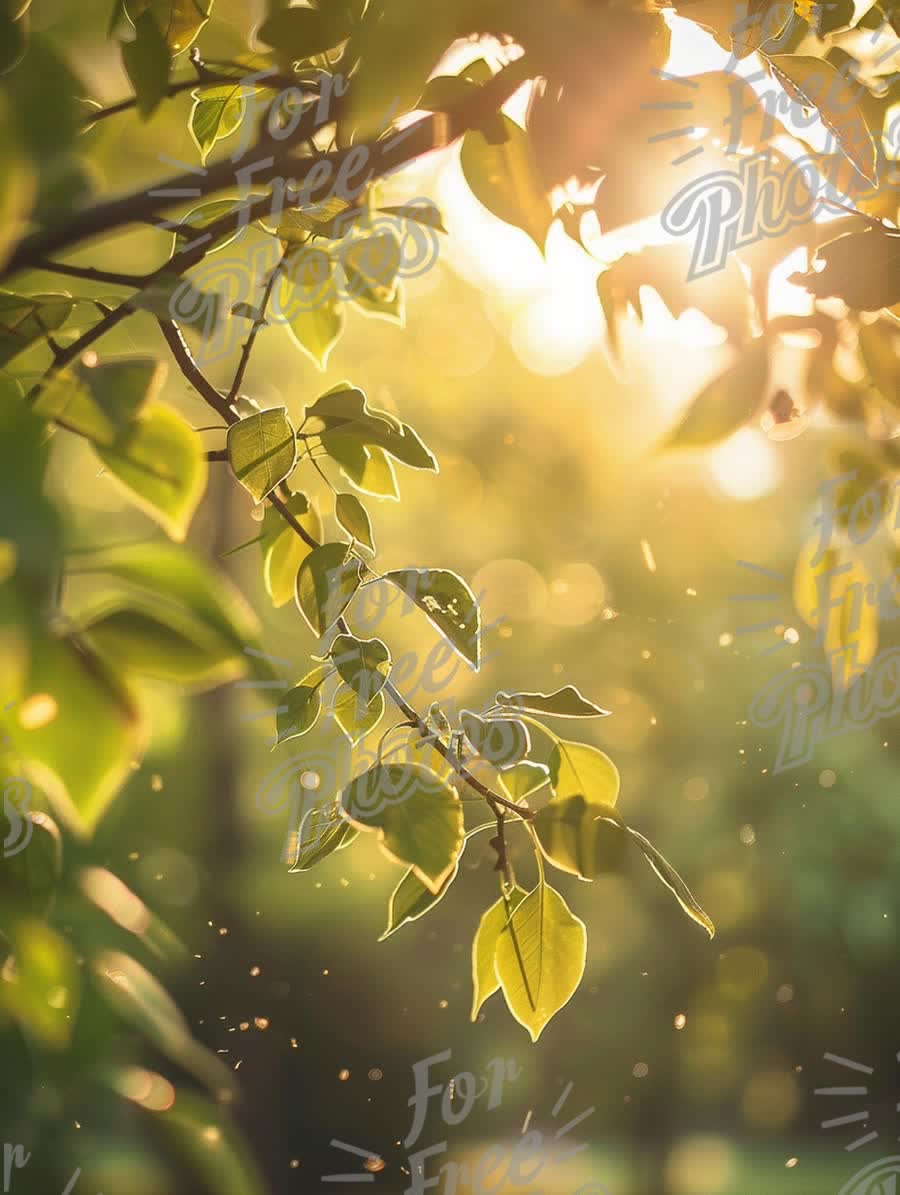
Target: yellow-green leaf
column 416, row 815
column 363, row 664
column 564, row 703
column 160, row 461
column 355, row 722
column 284, row 550
column 42, row 990
column 179, row 21
column 580, row 837
column 673, row 881
column 101, row 401
column 501, row 742
column 299, row 710
column 262, row 450
column 577, row 768
column 326, row 582
column 505, row 179
column 354, row 518
column 540, row 958
column 449, row 604
column 524, row 779
column 484, row 947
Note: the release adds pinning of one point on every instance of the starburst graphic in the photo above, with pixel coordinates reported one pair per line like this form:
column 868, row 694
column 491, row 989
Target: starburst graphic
column 789, row 637
column 853, row 1091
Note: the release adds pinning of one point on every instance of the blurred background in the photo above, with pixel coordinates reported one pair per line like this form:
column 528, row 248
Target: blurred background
column 612, row 566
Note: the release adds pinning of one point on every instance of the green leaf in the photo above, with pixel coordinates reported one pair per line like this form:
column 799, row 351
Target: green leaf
column 322, row 831
column 524, row 779
column 175, row 575
column 580, row 837
column 43, row 990
column 206, row 1145
column 363, row 664
column 371, row 470
column 449, row 604
column 501, row 742
column 371, row 265
column 101, row 401
column 354, row 518
column 326, row 582
column 179, row 21
column 505, row 179
column 540, row 958
column 16, row 188
column 354, row 721
column 348, row 422
column 71, row 700
column 217, row 113
column 160, row 641
column 299, row 709
column 815, row 83
column 284, row 550
column 31, row 861
column 303, row 32
column 564, row 703
column 147, row 63
column 200, row 217
column 673, row 881
column 308, row 298
column 160, row 461
column 140, row 1000
column 416, row 815
column 727, row 402
column 585, row 770
column 420, row 211
column 484, row 947
column 168, row 295
column 262, row 450
column 25, row 319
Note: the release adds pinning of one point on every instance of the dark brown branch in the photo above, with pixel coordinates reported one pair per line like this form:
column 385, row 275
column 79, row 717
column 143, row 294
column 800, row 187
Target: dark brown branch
column 258, row 323
column 276, row 159
column 89, row 274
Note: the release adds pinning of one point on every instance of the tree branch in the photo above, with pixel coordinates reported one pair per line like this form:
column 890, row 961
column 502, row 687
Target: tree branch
column 274, row 158
column 207, row 391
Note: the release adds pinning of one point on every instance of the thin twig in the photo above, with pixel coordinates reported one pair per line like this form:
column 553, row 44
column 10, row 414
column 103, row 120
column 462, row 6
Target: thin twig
column 259, row 322
column 90, row 274
column 207, row 391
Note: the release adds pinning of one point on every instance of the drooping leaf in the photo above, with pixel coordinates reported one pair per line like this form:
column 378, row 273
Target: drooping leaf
column 99, row 402
column 326, row 582
column 209, row 1146
column 284, row 550
column 416, row 815
column 363, row 664
column 540, row 958
column 310, row 303
column 302, row 706
column 501, row 742
column 25, row 319
column 262, row 450
column 147, row 61
column 727, row 402
column 815, row 83
column 371, row 471
column 354, row 721
column 564, row 703
column 190, row 228
column 524, row 779
column 580, row 837
column 354, row 518
column 673, row 881
column 862, row 268
column 579, row 769
column 504, row 178
column 484, row 947
column 161, row 463
column 321, row 832
column 449, row 605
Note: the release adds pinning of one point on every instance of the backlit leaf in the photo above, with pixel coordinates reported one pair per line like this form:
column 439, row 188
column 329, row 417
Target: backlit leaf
column 354, row 518
column 25, row 319
column 577, row 768
column 727, row 402
column 302, row 705
column 42, row 991
column 484, row 947
column 101, row 401
column 449, row 604
column 673, row 881
column 505, row 179
column 179, row 21
column 580, row 837
column 501, row 742
column 354, row 721
column 540, row 958
column 284, row 550
column 216, row 114
column 326, row 582
column 262, row 450
column 524, row 779
column 160, row 461
column 416, row 815
column 363, row 664
column 564, row 703
column 322, row 831
column 147, row 61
